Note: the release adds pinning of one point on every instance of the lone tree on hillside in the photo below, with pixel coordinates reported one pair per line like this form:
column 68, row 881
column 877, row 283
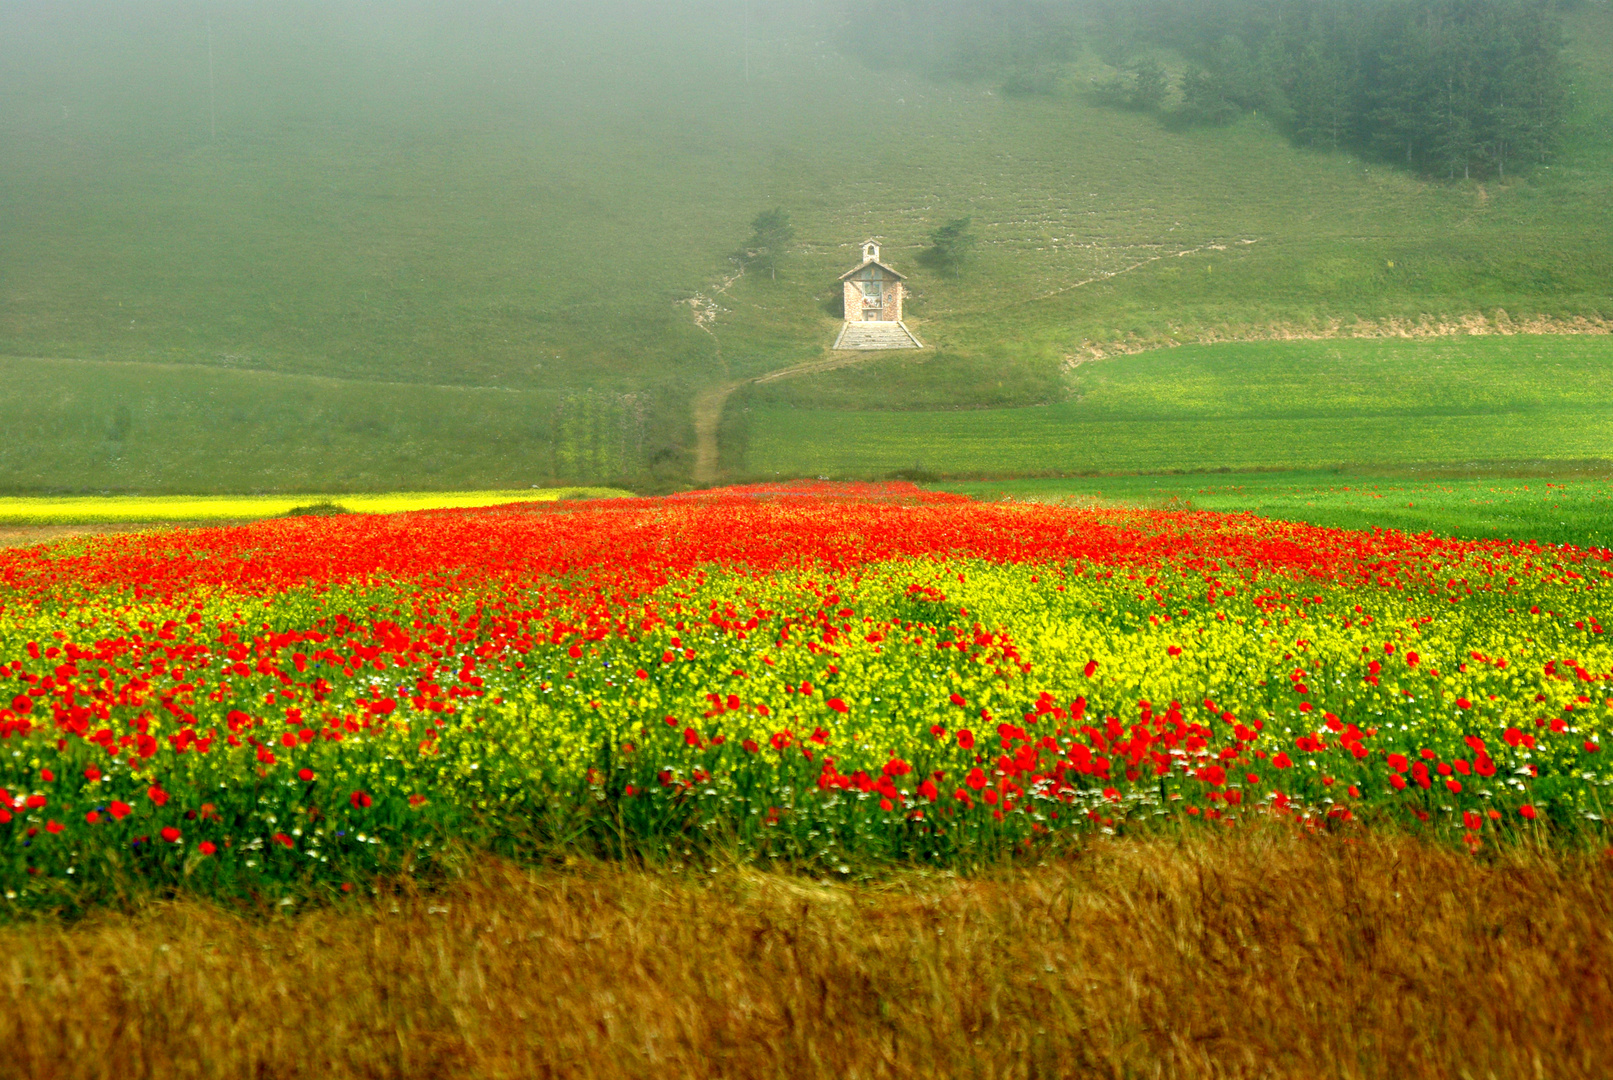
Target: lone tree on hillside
column 771, row 234
column 1147, row 87
column 950, row 246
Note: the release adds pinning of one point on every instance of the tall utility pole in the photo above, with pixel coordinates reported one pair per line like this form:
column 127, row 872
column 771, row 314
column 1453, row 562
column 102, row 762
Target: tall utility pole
column 212, row 105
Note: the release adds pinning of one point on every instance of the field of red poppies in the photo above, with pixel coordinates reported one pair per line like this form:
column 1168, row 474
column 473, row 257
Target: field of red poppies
column 835, row 676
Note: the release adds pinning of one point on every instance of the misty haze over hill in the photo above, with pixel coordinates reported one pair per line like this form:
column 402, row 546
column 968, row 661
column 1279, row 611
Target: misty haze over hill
column 533, row 210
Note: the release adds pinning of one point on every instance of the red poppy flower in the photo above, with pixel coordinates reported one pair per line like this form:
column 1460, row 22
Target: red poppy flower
column 157, row 795
column 360, row 799
column 170, row 834
column 92, row 817
column 53, row 827
column 837, row 705
column 283, row 840
column 1527, row 812
column 966, row 739
column 207, row 847
column 119, row 810
column 1281, row 760
column 1091, row 669
column 305, row 775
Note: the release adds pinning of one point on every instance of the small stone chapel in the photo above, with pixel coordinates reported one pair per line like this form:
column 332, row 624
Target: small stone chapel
column 873, row 297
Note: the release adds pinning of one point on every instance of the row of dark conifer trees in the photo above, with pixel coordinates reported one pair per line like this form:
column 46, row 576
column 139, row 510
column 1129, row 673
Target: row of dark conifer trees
column 1457, row 88
column 1449, row 87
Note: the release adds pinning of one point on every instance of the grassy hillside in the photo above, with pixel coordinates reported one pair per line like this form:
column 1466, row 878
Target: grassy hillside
column 95, row 426
column 1577, row 511
column 541, row 199
column 1239, row 406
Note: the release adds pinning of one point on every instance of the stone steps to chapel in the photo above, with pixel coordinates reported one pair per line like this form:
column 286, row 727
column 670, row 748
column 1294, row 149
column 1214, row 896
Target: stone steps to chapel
column 876, row 335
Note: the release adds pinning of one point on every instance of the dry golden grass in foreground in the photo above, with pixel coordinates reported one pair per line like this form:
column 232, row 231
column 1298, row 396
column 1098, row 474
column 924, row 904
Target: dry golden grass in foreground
column 1256, row 955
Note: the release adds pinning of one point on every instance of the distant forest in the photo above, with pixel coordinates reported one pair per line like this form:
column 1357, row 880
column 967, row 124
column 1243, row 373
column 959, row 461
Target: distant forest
column 1454, row 88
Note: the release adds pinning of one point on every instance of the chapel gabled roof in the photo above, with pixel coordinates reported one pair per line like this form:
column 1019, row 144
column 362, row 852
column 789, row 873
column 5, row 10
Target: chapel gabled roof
column 866, row 263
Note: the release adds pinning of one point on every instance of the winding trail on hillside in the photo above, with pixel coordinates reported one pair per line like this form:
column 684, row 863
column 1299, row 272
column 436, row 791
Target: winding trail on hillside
column 708, row 407
column 708, row 404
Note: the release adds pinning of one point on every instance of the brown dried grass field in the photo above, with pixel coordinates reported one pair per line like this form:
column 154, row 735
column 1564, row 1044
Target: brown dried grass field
column 1262, row 954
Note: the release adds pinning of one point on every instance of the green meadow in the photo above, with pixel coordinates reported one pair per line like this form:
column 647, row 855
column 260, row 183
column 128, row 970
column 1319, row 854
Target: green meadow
column 105, row 427
column 1246, row 405
column 1574, row 510
column 427, row 247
